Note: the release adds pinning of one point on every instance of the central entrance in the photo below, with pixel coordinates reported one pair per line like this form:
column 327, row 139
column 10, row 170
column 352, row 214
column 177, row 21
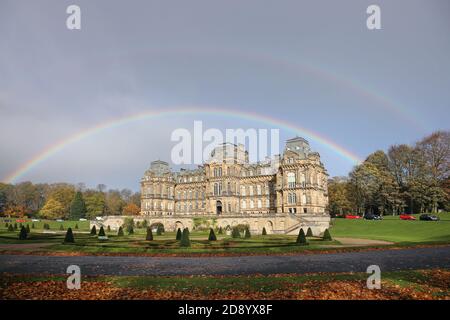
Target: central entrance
column 219, row 207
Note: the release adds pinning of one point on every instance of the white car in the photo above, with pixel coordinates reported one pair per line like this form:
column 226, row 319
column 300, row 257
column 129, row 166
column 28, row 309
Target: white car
column 35, row 220
column 83, row 219
column 59, row 220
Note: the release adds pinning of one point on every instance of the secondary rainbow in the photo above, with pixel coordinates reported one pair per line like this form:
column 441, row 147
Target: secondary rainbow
column 158, row 113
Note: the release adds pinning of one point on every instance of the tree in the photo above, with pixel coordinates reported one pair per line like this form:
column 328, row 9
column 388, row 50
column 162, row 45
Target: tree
column 212, row 236
column 131, row 210
column 77, row 207
column 309, row 233
column 52, row 209
column 235, row 233
column 69, row 236
column 10, row 228
column 32, row 226
column 27, row 228
column 178, row 237
column 108, row 228
column 114, row 203
column 185, row 241
column 95, row 203
column 326, row 235
column 93, row 231
column 149, row 236
column 101, row 232
column 247, row 233
column 120, row 232
column 301, row 238
column 159, row 229
column 61, row 227
column 76, row 225
column 144, row 224
column 130, row 229
column 264, row 232
column 220, row 231
column 15, row 226
column 23, row 233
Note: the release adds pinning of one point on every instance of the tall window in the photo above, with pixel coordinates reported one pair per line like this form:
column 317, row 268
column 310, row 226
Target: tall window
column 258, row 190
column 291, row 179
column 244, row 204
column 250, row 191
column 243, row 190
column 252, row 204
column 292, row 198
column 259, row 203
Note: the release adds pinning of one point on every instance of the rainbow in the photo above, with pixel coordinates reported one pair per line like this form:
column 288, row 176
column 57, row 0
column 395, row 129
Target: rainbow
column 158, row 113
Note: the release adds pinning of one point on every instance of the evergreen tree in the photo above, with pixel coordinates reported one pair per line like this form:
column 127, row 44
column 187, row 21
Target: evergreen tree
column 185, row 242
column 130, row 229
column 220, row 230
column 93, row 231
column 28, row 228
column 327, row 235
column 77, row 207
column 6, row 225
column 10, row 228
column 309, row 233
column 76, row 226
column 138, row 224
column 149, row 236
column 120, row 232
column 301, row 239
column 264, row 232
column 61, row 227
column 235, row 233
column 15, row 226
column 108, row 228
column 33, row 226
column 159, row 230
column 178, row 237
column 247, row 233
column 212, row 236
column 69, row 236
column 144, row 224
column 101, row 232
column 23, row 233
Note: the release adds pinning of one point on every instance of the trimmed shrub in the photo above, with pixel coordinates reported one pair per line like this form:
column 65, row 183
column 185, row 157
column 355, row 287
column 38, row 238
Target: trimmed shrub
column 76, row 226
column 46, row 226
column 301, row 239
column 149, row 236
column 61, row 227
column 179, row 234
column 69, row 236
column 144, row 224
column 327, row 236
column 130, row 229
column 138, row 224
column 212, row 236
column 120, row 232
column 23, row 233
column 159, row 230
column 185, row 241
column 247, row 233
column 10, row 227
column 235, row 233
column 6, row 225
column 309, row 233
column 108, row 228
column 33, row 226
column 28, row 228
column 220, row 230
column 264, row 232
column 93, row 231
column 15, row 226
column 101, row 232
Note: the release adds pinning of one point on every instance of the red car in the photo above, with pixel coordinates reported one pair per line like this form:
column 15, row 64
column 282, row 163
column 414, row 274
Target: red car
column 349, row 216
column 407, row 217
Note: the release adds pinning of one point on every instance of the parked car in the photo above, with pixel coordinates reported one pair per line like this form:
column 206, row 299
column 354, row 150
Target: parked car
column 59, row 220
column 373, row 217
column 428, row 217
column 35, row 220
column 83, row 219
column 407, row 217
column 350, row 216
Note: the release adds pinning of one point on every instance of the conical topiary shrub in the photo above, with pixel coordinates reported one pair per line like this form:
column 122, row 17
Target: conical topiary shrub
column 93, row 231
column 120, row 232
column 149, row 236
column 235, row 233
column 220, row 230
column 69, row 236
column 309, row 233
column 10, row 228
column 179, row 234
column 28, row 228
column 212, row 235
column 61, row 227
column 33, row 226
column 301, row 239
column 101, row 232
column 15, row 226
column 23, row 233
column 327, row 236
column 264, row 232
column 108, row 228
column 185, row 241
column 6, row 225
column 159, row 230
column 247, row 233
column 130, row 229
column 76, row 225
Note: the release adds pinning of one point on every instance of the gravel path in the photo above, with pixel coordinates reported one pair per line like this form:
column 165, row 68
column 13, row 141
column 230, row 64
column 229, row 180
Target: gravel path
column 388, row 260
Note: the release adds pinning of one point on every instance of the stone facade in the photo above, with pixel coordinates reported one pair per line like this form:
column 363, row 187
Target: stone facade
column 281, row 194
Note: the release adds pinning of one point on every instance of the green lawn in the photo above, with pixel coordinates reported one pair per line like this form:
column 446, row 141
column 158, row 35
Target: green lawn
column 391, row 228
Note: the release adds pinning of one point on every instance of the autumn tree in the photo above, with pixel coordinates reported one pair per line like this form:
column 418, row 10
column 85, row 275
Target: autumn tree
column 52, row 209
column 131, row 210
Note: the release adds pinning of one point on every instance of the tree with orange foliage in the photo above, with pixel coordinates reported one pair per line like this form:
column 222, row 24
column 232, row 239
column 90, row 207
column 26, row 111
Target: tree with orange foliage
column 131, row 210
column 15, row 211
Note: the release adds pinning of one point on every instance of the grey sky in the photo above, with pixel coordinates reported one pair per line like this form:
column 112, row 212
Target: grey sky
column 313, row 63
